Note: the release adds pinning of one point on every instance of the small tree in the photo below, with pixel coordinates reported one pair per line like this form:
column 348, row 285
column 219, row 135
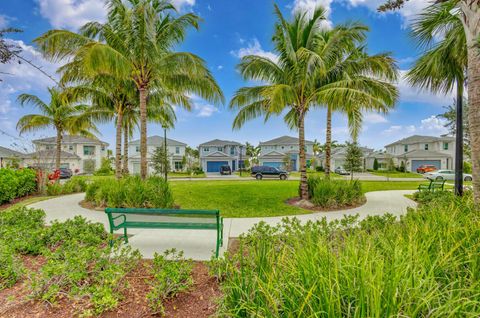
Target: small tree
column 287, row 163
column 159, row 164
column 353, row 158
column 402, row 166
column 375, row 164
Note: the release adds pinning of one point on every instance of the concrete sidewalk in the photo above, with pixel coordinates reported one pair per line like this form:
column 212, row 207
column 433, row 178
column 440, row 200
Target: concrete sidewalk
column 199, row 245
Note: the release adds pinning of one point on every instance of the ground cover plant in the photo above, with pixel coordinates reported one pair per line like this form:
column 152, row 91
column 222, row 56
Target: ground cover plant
column 128, row 192
column 329, row 193
column 73, row 185
column 16, row 183
column 426, row 264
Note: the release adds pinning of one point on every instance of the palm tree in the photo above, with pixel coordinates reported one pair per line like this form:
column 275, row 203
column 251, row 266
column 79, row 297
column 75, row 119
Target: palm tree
column 468, row 13
column 60, row 114
column 443, row 66
column 370, row 72
column 136, row 44
column 295, row 83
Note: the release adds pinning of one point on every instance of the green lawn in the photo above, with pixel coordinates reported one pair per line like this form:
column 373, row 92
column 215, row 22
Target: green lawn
column 396, row 174
column 174, row 175
column 255, row 198
column 27, row 202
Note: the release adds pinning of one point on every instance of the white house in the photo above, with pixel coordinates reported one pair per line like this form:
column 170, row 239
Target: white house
column 338, row 155
column 273, row 153
column 175, row 151
column 216, row 153
column 9, row 156
column 80, row 154
column 418, row 150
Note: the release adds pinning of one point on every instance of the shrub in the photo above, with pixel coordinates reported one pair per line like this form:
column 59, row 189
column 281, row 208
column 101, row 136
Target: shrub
column 16, row 183
column 426, row 264
column 425, row 197
column 10, row 267
column 105, row 168
column 74, row 185
column 375, row 164
column 467, row 167
column 319, row 169
column 171, row 275
column 77, row 230
column 330, row 193
column 23, row 229
column 54, row 189
column 131, row 192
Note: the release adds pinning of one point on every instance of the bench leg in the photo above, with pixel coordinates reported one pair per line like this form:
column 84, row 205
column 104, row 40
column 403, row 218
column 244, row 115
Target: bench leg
column 125, row 236
column 111, row 238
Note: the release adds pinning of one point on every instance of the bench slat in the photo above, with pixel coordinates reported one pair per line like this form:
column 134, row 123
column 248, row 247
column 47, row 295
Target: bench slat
column 161, row 211
column 167, row 225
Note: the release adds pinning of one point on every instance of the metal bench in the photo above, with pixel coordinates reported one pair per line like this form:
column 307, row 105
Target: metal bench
column 432, row 186
column 124, row 218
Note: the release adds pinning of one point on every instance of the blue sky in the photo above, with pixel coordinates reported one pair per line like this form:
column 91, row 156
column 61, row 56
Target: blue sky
column 230, row 29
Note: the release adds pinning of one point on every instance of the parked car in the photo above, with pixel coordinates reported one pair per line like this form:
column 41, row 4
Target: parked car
column 426, row 168
column 445, row 175
column 260, row 172
column 225, row 170
column 65, row 173
column 341, row 171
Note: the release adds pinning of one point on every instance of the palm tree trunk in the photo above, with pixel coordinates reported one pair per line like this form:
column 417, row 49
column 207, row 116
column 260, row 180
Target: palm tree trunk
column 125, row 149
column 143, row 133
column 328, row 142
column 118, row 146
column 303, row 163
column 474, row 116
column 59, row 149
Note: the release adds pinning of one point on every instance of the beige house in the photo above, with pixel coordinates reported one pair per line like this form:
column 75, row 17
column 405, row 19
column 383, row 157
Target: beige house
column 9, row 157
column 80, row 154
column 273, row 153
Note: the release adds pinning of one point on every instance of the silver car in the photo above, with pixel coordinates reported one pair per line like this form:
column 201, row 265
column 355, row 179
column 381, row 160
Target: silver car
column 445, row 175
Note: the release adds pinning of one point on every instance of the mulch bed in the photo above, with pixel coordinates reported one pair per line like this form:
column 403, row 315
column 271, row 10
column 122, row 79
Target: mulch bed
column 200, row 301
column 295, row 202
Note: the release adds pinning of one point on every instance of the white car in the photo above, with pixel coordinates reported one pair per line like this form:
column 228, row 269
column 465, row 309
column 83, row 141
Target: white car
column 445, row 175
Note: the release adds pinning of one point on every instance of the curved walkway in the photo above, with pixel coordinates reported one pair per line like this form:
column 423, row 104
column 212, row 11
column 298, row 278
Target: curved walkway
column 198, row 245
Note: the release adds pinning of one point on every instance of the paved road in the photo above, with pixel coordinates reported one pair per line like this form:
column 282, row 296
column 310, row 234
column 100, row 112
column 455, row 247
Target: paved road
column 199, row 245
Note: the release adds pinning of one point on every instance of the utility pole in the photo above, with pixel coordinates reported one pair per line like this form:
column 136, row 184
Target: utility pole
column 459, row 142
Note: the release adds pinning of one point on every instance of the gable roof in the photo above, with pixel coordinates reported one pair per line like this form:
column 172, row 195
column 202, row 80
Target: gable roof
column 284, row 140
column 9, row 153
column 50, row 154
column 158, row 141
column 70, row 139
column 219, row 142
column 423, row 154
column 419, row 138
column 216, row 154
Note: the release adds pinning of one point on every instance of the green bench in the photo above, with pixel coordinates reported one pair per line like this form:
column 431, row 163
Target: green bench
column 136, row 218
column 432, row 186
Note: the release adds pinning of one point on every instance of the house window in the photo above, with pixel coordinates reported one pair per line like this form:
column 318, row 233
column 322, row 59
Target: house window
column 88, row 150
column 103, row 148
column 426, row 147
column 283, row 147
column 445, row 146
column 232, row 150
column 50, row 147
column 219, row 148
column 178, row 165
column 70, row 148
column 177, row 150
column 206, row 149
column 405, row 148
column 137, row 148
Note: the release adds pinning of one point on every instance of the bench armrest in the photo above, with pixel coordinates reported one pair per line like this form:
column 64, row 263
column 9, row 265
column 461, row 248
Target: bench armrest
column 117, row 217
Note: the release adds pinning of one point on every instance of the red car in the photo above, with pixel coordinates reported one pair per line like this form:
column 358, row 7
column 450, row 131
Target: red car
column 426, row 168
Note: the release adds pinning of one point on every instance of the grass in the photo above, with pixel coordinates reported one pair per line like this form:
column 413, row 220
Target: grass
column 185, row 175
column 28, row 201
column 396, row 174
column 256, row 198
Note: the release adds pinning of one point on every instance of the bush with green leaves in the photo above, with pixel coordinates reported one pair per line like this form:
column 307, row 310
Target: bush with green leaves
column 77, row 230
column 331, row 193
column 105, row 168
column 426, row 264
column 130, row 192
column 172, row 274
column 73, row 185
column 424, row 197
column 10, row 267
column 23, row 229
column 81, row 270
column 15, row 183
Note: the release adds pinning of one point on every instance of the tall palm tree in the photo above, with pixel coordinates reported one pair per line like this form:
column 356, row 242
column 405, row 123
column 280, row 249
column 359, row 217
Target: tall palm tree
column 443, row 66
column 60, row 113
column 136, row 43
column 468, row 13
column 295, row 83
column 370, row 72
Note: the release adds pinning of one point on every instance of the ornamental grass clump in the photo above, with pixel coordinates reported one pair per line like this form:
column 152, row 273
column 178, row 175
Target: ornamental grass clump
column 331, row 193
column 426, row 264
column 130, row 192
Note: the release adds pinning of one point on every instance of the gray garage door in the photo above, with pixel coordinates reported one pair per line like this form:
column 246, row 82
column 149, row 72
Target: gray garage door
column 418, row 163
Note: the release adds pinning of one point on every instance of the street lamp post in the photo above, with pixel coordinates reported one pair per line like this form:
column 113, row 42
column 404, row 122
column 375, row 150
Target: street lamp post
column 165, row 152
column 459, row 142
column 241, row 147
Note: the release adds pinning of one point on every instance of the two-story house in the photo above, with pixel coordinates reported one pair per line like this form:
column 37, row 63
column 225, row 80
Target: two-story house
column 175, row 153
column 80, row 154
column 216, row 153
column 418, row 150
column 275, row 152
column 10, row 157
column 339, row 154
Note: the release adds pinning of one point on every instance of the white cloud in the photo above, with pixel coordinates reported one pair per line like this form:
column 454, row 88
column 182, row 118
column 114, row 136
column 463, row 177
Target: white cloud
column 310, row 6
column 5, row 21
column 431, row 126
column 205, row 110
column 374, row 118
column 72, row 14
column 180, row 4
column 254, row 48
column 413, row 94
column 220, row 67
